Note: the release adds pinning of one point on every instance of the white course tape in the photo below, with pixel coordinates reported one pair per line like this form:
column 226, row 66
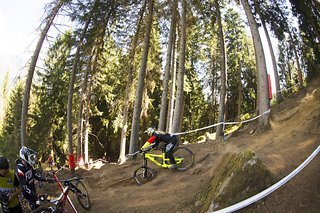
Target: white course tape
column 269, row 190
column 251, row 119
column 287, row 89
column 226, row 123
column 196, row 130
column 229, row 123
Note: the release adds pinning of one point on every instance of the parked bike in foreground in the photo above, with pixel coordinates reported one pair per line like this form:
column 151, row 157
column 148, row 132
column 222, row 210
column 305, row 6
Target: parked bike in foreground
column 58, row 205
column 183, row 156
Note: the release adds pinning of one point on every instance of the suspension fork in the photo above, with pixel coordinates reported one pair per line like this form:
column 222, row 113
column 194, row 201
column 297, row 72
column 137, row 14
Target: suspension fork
column 145, row 160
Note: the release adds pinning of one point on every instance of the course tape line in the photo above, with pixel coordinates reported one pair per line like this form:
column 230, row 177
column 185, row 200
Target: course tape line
column 269, row 190
column 287, row 89
column 230, row 123
column 225, row 123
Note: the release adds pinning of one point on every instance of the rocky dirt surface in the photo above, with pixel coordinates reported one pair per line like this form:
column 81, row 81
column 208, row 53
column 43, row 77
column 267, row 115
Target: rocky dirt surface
column 293, row 135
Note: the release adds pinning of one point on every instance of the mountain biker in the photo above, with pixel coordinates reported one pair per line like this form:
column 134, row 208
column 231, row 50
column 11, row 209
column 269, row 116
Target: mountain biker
column 155, row 138
column 9, row 188
column 26, row 174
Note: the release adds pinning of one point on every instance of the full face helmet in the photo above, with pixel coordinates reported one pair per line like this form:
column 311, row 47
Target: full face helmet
column 149, row 131
column 28, row 155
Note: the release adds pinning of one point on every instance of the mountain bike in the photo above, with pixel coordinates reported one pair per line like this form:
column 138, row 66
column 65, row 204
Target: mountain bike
column 58, row 205
column 183, row 156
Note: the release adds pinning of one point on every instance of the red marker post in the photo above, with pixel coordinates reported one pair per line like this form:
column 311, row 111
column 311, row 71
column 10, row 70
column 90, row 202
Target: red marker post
column 72, row 163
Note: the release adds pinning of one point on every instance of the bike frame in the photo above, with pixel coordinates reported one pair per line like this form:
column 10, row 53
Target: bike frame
column 64, row 195
column 154, row 158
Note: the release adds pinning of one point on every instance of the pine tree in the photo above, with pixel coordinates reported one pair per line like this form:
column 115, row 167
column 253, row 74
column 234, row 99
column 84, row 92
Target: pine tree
column 263, row 98
column 134, row 139
column 163, row 108
column 178, row 107
column 49, row 131
column 223, row 71
column 32, row 67
column 10, row 132
column 241, row 66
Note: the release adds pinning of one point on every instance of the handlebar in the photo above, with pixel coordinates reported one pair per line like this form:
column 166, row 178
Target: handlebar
column 53, row 172
column 66, row 181
column 137, row 152
column 61, row 168
column 133, row 154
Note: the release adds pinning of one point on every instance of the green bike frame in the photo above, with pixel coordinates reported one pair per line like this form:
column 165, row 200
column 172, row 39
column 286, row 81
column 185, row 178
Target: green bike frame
column 160, row 159
column 183, row 156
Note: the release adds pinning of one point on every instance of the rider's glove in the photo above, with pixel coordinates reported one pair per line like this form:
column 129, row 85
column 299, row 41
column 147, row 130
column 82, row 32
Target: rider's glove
column 146, row 149
column 145, row 146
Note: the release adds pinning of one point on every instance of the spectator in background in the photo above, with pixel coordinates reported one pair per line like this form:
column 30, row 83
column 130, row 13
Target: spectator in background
column 50, row 162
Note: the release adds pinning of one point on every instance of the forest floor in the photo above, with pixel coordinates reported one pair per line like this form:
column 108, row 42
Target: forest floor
column 292, row 137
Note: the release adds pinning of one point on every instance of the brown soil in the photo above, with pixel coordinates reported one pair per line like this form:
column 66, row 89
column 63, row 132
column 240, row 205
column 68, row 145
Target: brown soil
column 293, row 136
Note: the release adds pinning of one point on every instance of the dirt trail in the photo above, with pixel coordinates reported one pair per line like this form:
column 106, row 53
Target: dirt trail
column 293, row 136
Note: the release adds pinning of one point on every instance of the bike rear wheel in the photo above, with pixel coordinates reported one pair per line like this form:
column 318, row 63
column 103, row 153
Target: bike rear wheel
column 185, row 155
column 143, row 175
column 82, row 195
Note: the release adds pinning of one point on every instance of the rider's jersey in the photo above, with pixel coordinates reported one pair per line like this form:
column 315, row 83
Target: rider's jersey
column 26, row 175
column 7, row 186
column 158, row 137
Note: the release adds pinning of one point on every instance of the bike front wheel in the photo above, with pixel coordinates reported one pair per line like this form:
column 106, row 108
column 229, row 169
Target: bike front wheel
column 143, row 175
column 184, row 158
column 82, row 195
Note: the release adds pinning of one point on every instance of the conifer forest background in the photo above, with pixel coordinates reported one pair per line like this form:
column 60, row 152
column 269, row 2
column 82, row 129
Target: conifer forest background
column 105, row 70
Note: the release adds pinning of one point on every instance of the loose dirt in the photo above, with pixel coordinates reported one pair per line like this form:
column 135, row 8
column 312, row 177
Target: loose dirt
column 292, row 137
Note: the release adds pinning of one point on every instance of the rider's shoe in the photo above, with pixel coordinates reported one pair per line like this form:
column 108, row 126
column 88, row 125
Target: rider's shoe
column 174, row 166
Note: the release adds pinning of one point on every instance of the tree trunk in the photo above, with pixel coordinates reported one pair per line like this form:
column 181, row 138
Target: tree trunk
column 212, row 118
column 289, row 75
column 122, row 157
column 134, row 139
column 273, row 58
column 84, row 96
column 164, row 98
column 70, row 95
column 79, row 134
column 178, row 106
column 213, row 108
column 34, row 59
column 240, row 90
column 80, row 118
column 86, row 125
column 223, row 68
column 172, row 86
column 263, row 97
column 274, row 65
